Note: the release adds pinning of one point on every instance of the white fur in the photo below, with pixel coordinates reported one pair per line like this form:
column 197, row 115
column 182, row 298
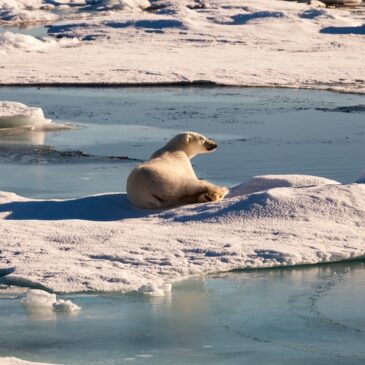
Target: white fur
column 167, row 179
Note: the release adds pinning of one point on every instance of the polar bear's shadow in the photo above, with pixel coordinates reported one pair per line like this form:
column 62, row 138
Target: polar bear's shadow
column 105, row 207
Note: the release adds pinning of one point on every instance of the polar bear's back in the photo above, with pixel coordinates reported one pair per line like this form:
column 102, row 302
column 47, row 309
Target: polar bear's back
column 161, row 178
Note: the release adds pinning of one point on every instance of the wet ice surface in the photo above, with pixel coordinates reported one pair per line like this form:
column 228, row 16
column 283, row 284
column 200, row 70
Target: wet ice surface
column 259, row 131
column 285, row 316
column 35, row 31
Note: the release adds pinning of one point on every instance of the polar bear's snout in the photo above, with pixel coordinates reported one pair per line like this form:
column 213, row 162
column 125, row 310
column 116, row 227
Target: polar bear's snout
column 210, row 145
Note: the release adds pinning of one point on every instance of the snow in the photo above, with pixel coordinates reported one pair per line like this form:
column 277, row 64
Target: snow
column 122, row 4
column 40, row 300
column 28, row 43
column 102, row 243
column 16, row 361
column 24, row 11
column 265, row 182
column 228, row 42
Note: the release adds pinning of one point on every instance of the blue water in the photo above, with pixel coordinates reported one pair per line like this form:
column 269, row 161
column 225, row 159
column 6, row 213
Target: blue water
column 299, row 316
column 313, row 315
column 259, row 131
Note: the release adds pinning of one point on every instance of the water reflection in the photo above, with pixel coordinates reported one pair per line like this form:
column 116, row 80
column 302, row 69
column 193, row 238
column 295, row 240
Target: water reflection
column 21, row 136
column 287, row 316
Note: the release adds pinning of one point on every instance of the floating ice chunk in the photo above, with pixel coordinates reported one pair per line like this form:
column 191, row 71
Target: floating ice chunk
column 65, row 306
column 167, row 287
column 37, row 299
column 153, row 290
column 13, row 114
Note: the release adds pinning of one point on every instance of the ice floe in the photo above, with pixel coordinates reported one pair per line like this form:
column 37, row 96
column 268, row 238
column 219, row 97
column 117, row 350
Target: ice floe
column 102, row 243
column 40, row 300
column 13, row 114
column 230, row 42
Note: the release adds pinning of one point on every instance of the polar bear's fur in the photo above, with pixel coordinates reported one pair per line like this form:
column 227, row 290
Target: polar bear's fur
column 167, row 179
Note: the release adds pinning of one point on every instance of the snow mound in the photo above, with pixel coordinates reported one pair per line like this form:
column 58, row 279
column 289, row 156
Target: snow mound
column 102, row 243
column 28, row 43
column 39, row 300
column 265, row 182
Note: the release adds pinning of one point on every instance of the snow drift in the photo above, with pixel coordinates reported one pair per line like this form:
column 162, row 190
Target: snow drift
column 28, row 43
column 102, row 243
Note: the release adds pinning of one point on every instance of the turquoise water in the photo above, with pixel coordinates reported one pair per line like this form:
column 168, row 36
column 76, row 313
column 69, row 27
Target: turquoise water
column 309, row 315
column 259, row 131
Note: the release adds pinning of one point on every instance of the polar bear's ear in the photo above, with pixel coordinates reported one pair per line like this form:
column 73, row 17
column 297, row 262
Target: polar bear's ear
column 187, row 138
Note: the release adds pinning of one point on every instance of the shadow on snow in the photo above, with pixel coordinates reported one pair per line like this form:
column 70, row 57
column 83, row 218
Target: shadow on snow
column 106, row 207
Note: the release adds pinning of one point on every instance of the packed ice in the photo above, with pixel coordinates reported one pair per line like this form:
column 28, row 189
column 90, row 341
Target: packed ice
column 102, row 243
column 230, row 42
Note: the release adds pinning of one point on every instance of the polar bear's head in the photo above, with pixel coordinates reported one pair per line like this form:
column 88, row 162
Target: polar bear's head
column 189, row 142
column 192, row 143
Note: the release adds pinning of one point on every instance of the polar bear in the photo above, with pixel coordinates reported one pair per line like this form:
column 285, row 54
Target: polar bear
column 167, row 179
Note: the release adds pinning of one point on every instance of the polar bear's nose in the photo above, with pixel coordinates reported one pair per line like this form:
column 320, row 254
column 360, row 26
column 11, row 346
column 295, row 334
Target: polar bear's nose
column 211, row 145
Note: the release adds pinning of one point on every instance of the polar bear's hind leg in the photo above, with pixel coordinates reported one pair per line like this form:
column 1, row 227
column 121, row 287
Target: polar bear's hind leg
column 153, row 202
column 214, row 194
